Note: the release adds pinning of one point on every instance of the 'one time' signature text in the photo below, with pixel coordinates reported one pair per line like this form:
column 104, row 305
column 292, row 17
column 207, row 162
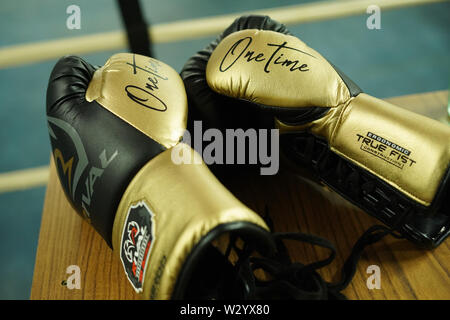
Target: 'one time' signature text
column 240, row 50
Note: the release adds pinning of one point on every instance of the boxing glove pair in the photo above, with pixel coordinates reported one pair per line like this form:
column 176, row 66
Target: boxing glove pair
column 390, row 162
column 179, row 233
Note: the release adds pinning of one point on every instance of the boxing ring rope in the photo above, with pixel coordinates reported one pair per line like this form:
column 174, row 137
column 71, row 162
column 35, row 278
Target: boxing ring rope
column 23, row 179
column 191, row 29
column 164, row 33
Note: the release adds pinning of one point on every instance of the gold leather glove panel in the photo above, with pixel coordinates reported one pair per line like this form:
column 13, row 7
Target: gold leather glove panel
column 131, row 86
column 185, row 202
column 407, row 150
column 271, row 68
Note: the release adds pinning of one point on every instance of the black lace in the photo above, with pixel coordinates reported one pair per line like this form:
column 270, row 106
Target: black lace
column 294, row 280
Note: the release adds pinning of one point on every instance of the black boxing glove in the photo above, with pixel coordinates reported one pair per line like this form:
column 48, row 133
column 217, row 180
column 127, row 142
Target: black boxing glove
column 392, row 163
column 114, row 133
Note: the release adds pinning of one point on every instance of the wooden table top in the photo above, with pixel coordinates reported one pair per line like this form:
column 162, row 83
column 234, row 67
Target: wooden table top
column 406, row 271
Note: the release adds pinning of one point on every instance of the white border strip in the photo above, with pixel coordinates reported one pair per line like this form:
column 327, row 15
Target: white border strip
column 191, row 29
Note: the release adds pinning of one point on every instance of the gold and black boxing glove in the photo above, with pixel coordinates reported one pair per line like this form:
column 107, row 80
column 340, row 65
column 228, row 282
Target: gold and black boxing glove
column 392, row 163
column 113, row 132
